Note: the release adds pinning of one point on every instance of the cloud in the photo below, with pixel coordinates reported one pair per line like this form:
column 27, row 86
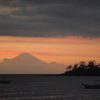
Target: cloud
column 51, row 41
column 50, row 18
column 7, row 10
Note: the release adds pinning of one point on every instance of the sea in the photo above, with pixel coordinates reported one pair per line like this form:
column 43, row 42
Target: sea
column 32, row 87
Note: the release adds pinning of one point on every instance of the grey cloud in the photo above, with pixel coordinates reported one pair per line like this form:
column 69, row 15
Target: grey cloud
column 44, row 18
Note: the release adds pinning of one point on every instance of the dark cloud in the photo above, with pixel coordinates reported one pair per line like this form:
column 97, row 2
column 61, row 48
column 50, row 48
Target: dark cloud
column 47, row 18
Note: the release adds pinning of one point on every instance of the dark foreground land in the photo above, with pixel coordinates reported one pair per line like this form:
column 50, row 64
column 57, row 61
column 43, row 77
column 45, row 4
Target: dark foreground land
column 83, row 69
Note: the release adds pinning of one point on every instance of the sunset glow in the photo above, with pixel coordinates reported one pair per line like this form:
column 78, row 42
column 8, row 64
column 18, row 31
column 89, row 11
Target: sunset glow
column 71, row 49
column 45, row 36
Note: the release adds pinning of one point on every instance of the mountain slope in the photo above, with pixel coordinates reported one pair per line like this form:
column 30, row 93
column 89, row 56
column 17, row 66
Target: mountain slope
column 28, row 64
column 25, row 57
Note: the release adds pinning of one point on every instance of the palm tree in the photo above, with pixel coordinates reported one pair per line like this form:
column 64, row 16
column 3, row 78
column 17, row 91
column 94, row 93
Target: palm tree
column 82, row 64
column 75, row 66
column 91, row 64
column 69, row 67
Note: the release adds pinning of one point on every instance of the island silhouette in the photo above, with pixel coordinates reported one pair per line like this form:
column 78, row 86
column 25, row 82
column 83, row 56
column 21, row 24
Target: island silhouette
column 83, row 69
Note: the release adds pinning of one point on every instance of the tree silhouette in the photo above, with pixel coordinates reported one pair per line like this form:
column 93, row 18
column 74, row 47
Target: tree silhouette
column 91, row 64
column 75, row 66
column 69, row 67
column 91, row 68
column 82, row 64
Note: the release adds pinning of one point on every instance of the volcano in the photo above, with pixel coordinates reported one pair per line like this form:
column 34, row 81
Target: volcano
column 25, row 63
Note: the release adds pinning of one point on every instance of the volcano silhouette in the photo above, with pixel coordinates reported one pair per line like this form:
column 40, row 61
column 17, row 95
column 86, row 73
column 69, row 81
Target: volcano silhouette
column 25, row 63
column 28, row 58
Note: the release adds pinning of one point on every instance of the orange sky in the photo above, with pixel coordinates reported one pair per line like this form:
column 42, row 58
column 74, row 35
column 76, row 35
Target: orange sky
column 70, row 49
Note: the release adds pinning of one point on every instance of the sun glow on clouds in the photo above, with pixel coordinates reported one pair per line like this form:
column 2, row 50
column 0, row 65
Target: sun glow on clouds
column 7, row 10
column 66, row 50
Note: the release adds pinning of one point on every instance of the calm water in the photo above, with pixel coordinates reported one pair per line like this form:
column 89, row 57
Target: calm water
column 48, row 88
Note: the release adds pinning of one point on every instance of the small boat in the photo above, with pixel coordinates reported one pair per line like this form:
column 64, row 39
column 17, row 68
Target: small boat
column 5, row 81
column 91, row 86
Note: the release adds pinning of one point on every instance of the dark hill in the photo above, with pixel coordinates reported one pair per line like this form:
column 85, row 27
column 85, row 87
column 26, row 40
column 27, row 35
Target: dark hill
column 83, row 69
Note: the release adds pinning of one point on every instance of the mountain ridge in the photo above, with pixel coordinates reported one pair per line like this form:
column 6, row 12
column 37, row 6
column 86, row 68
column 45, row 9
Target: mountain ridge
column 28, row 58
column 26, row 63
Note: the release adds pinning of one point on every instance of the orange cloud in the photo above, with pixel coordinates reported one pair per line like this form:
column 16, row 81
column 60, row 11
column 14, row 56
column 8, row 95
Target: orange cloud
column 59, row 40
column 7, row 10
column 63, row 50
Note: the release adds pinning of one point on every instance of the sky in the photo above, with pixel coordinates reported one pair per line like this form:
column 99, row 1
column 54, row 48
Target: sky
column 62, row 31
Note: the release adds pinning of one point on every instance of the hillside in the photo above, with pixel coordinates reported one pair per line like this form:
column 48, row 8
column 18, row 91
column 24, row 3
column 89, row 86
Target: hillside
column 28, row 64
column 83, row 69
